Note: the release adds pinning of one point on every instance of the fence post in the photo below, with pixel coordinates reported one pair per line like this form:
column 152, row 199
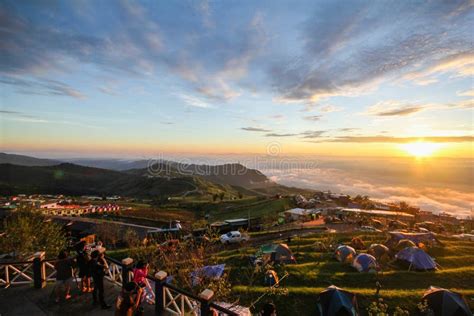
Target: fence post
column 126, row 268
column 206, row 297
column 39, row 270
column 160, row 292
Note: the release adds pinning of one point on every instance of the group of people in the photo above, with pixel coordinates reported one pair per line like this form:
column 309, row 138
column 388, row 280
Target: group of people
column 91, row 266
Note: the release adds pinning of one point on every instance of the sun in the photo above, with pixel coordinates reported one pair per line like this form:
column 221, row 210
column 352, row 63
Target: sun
column 421, row 149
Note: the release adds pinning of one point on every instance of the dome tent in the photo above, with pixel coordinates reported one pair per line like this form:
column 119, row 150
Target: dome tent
column 364, row 263
column 335, row 301
column 276, row 253
column 378, row 250
column 404, row 243
column 446, row 303
column 416, row 258
column 345, row 253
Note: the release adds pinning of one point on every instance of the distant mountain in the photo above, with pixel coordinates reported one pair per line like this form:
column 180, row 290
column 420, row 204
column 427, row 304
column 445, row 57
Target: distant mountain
column 228, row 174
column 23, row 174
column 112, row 164
column 72, row 179
column 26, row 160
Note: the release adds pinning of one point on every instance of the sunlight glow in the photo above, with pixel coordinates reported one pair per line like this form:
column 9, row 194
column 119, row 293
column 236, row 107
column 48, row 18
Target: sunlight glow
column 421, row 149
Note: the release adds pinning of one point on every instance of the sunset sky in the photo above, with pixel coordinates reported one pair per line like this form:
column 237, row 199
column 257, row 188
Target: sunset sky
column 116, row 78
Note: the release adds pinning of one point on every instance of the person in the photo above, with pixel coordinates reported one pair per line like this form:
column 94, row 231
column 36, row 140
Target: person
column 98, row 268
column 128, row 302
column 83, row 262
column 140, row 273
column 64, row 274
column 269, row 309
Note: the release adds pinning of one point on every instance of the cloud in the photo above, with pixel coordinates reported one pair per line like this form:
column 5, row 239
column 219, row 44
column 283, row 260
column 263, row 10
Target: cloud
column 350, row 49
column 281, row 135
column 348, row 129
column 133, row 40
column 330, row 109
column 312, row 134
column 255, row 129
column 278, row 117
column 195, row 101
column 394, row 108
column 430, row 188
column 108, row 90
column 461, row 64
column 466, row 93
column 42, row 86
column 392, row 139
column 313, row 118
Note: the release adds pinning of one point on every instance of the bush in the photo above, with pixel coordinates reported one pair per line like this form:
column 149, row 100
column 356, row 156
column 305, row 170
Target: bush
column 27, row 232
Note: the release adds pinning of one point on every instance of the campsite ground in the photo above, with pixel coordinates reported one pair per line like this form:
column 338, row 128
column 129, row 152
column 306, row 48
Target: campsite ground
column 315, row 270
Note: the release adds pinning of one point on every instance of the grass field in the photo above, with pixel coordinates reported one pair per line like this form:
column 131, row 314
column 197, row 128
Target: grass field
column 315, row 271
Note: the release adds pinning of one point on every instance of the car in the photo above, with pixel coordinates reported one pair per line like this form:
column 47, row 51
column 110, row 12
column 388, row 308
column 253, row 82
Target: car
column 233, row 237
column 369, row 229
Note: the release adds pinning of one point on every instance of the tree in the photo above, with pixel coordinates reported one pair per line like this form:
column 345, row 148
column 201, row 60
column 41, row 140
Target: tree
column 214, row 197
column 109, row 233
column 241, row 195
column 131, row 238
column 27, row 232
column 221, row 195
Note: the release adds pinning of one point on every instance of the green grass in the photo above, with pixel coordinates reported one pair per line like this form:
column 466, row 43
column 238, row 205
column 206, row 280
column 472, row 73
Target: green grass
column 315, row 271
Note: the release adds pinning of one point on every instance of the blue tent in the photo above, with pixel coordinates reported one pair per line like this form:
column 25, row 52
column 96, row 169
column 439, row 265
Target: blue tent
column 364, row 262
column 416, row 258
column 446, row 303
column 335, row 301
column 345, row 253
column 210, row 272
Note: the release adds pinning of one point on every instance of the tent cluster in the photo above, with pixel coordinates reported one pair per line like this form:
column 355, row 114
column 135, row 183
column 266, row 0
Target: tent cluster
column 416, row 238
column 334, row 301
column 362, row 262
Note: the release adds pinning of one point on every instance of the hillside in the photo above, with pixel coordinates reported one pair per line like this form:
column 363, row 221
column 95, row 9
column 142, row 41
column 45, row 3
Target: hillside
column 72, row 179
column 227, row 174
column 26, row 160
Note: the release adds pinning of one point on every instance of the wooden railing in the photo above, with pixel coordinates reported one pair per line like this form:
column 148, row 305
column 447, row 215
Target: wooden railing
column 168, row 299
column 171, row 300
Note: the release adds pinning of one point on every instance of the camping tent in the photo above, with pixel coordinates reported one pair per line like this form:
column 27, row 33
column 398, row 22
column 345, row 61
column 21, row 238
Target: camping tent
column 209, row 272
column 277, row 253
column 378, row 250
column 364, row 262
column 345, row 253
column 357, row 243
column 416, row 258
column 335, row 301
column 404, row 243
column 426, row 238
column 446, row 303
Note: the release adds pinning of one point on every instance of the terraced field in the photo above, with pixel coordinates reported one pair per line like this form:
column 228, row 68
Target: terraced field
column 315, row 270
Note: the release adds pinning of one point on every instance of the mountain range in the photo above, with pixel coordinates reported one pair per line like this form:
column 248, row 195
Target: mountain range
column 29, row 175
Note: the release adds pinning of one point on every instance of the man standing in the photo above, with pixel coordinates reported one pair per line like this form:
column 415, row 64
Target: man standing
column 99, row 266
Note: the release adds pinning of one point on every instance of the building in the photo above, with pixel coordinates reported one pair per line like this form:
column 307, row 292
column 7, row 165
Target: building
column 300, row 214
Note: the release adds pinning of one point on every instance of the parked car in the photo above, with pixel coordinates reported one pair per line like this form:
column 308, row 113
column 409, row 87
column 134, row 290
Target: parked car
column 233, row 237
column 369, row 229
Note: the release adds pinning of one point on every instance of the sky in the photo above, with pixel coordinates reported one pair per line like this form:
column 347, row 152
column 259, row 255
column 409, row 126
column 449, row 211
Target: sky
column 134, row 79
